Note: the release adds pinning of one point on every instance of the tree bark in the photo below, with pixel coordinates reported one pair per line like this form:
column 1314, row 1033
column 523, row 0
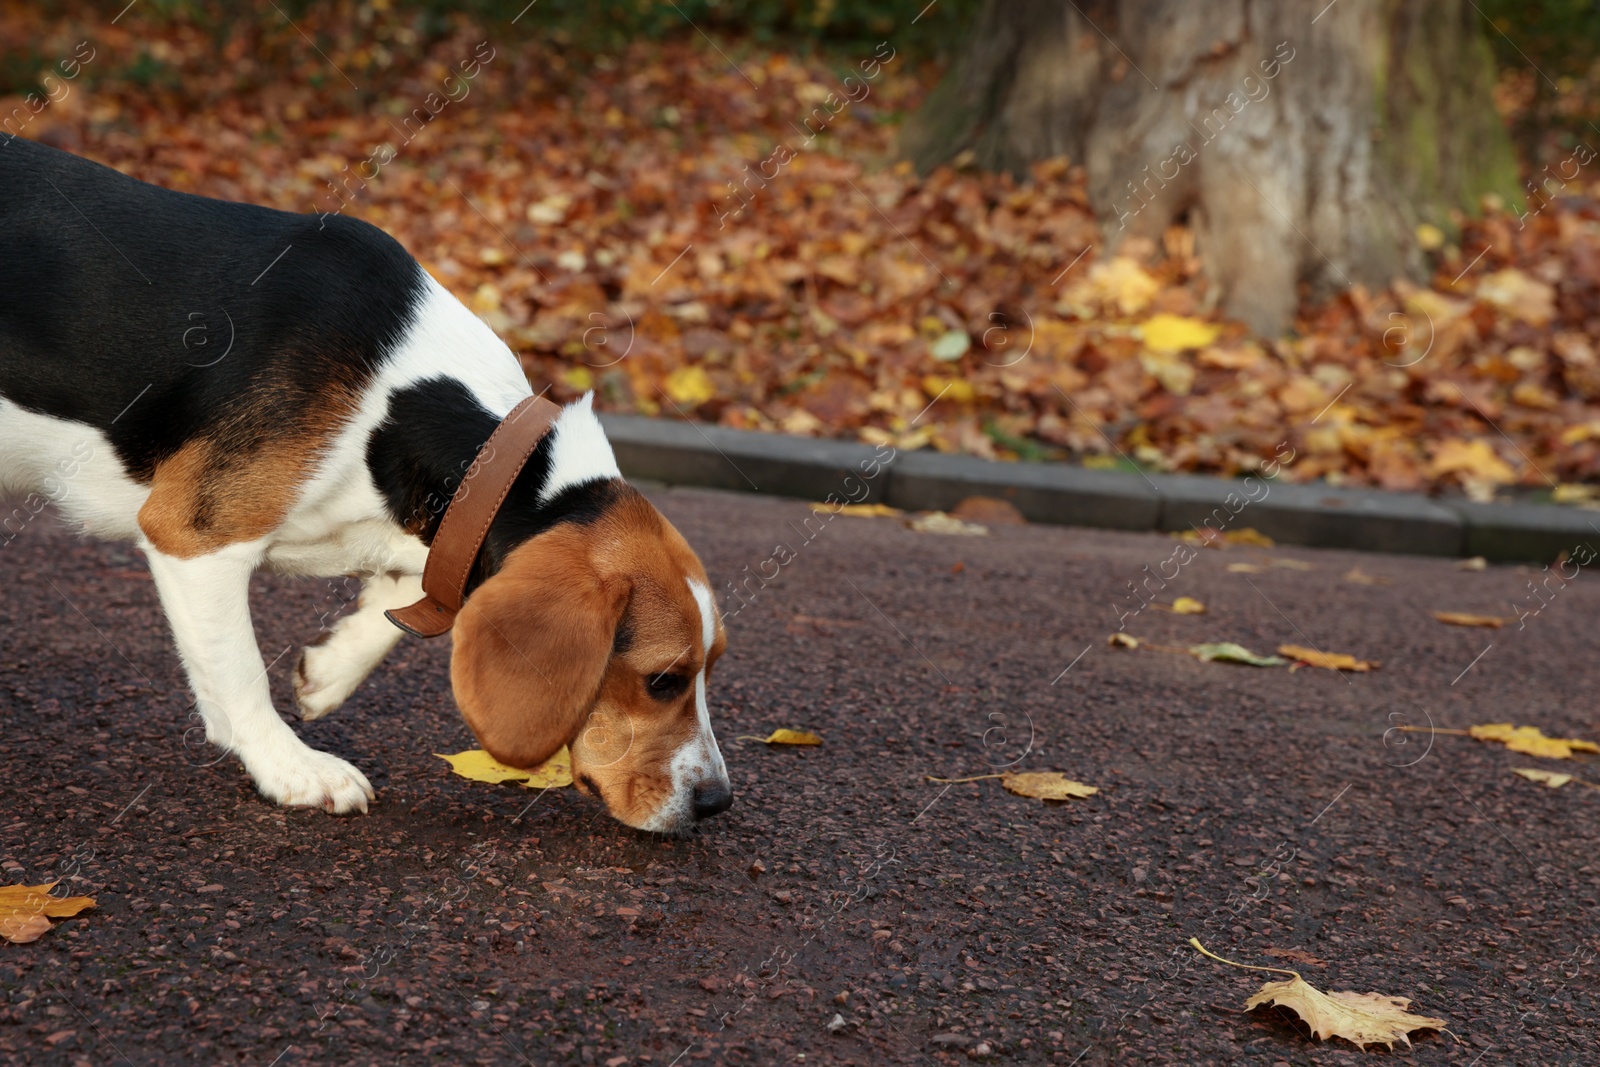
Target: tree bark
column 1302, row 141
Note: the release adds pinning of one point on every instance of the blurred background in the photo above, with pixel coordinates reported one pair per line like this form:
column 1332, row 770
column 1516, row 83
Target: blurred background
column 1159, row 234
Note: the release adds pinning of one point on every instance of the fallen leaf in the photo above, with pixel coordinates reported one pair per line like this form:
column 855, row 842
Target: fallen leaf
column 1121, row 640
column 28, row 909
column 1245, row 568
column 950, row 346
column 1462, row 618
column 1250, row 536
column 1177, row 333
column 1228, row 652
column 690, row 386
column 478, row 766
column 784, row 737
column 1188, row 605
column 937, row 522
column 1360, row 1018
column 553, row 773
column 1333, row 661
column 1549, row 778
column 1357, row 576
column 1476, row 563
column 863, row 511
column 1046, row 785
column 1517, row 295
column 22, row 927
column 1474, row 461
column 1530, row 740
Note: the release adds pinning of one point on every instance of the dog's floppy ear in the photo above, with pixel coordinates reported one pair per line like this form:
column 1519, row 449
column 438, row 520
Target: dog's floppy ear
column 531, row 647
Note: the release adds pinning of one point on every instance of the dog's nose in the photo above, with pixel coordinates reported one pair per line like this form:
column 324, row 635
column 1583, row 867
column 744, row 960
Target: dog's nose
column 711, row 798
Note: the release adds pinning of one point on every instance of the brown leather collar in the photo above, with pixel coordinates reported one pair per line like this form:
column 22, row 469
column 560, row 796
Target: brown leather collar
column 466, row 519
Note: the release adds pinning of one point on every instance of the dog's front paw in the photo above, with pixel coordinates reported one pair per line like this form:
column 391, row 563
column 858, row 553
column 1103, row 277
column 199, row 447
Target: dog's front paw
column 319, row 684
column 298, row 776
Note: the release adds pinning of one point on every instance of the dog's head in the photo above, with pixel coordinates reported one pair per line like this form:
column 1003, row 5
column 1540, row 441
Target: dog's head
column 601, row 635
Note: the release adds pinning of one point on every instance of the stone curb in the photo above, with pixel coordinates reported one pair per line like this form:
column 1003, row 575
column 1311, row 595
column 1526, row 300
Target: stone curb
column 687, row 453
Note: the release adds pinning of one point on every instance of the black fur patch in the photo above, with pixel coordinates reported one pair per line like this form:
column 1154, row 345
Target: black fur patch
column 158, row 317
column 427, row 440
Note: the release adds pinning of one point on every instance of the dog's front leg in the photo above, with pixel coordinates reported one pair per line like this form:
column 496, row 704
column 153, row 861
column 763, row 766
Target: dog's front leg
column 207, row 602
column 344, row 654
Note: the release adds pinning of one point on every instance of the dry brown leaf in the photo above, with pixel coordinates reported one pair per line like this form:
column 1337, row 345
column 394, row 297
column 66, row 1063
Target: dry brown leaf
column 1122, row 640
column 1531, row 740
column 22, row 927
column 1298, row 955
column 1360, row 1018
column 1043, row 785
column 26, row 910
column 1333, row 661
column 1046, row 785
column 1462, row 618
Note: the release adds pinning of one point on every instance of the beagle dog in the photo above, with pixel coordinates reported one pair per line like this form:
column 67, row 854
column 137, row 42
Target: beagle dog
column 234, row 387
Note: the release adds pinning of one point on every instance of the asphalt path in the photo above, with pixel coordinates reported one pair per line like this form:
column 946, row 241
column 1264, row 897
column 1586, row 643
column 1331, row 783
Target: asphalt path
column 845, row 910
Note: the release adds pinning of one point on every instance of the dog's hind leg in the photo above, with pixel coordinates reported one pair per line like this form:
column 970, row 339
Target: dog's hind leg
column 346, row 652
column 206, row 598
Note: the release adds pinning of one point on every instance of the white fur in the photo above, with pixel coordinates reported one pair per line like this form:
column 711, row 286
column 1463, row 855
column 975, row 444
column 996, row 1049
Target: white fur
column 579, row 451
column 698, row 759
column 329, row 672
column 337, row 525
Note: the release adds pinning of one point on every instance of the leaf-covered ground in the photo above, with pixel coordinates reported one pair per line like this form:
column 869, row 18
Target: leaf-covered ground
column 716, row 229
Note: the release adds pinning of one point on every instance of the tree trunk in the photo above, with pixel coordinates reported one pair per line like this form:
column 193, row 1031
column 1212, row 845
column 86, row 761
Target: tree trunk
column 1301, row 140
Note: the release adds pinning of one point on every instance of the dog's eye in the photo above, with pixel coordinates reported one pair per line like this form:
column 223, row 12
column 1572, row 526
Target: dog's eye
column 667, row 686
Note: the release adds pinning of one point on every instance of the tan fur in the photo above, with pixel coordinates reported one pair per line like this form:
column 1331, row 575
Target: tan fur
column 218, row 491
column 533, row 666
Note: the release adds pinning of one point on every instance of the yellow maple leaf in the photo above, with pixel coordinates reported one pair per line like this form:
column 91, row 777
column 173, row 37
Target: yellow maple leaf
column 784, row 737
column 1177, row 333
column 478, row 766
column 1046, row 785
column 1333, row 661
column 1188, row 605
column 689, row 386
column 1360, row 1018
column 553, row 773
column 1530, row 740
